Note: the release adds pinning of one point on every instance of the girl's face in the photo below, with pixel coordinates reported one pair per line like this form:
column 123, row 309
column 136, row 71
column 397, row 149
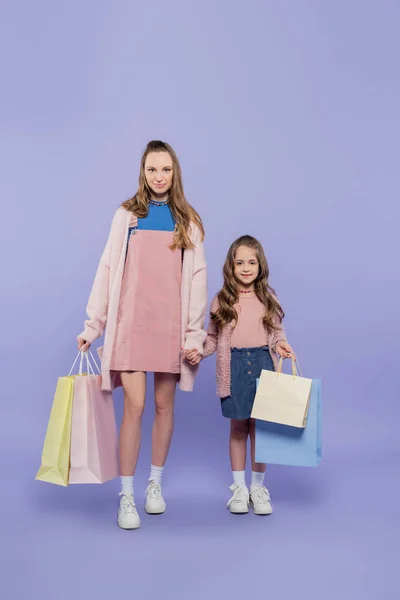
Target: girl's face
column 245, row 266
column 158, row 170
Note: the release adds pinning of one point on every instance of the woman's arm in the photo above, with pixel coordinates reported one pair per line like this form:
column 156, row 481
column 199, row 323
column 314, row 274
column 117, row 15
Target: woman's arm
column 97, row 305
column 198, row 298
column 194, row 356
column 211, row 342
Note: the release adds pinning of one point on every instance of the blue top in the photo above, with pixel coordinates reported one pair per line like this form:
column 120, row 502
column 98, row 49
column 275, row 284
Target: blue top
column 159, row 218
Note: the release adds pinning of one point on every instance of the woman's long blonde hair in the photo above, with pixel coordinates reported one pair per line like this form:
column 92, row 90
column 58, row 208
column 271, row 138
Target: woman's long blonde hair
column 183, row 213
column 229, row 295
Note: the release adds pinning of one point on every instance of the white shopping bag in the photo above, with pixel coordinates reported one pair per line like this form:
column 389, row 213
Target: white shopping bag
column 282, row 398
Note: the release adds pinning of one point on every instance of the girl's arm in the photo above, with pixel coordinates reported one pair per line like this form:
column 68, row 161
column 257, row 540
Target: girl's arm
column 279, row 334
column 198, row 298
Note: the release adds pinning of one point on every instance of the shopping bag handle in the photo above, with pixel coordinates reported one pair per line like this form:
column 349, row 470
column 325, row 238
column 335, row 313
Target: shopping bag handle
column 295, row 367
column 81, row 354
column 95, row 363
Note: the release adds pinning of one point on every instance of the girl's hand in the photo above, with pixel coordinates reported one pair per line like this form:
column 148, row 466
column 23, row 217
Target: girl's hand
column 83, row 344
column 285, row 350
column 192, row 356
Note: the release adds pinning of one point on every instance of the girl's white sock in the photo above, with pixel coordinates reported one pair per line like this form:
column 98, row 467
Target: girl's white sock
column 156, row 473
column 257, row 479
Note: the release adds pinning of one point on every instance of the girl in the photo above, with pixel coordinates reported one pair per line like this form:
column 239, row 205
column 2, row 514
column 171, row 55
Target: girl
column 246, row 331
column 151, row 291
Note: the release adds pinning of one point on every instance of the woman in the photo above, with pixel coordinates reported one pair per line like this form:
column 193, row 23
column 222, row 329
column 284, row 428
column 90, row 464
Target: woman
column 151, row 291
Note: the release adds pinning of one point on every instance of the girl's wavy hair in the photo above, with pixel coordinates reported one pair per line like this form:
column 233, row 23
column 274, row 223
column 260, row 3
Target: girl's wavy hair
column 183, row 213
column 229, row 295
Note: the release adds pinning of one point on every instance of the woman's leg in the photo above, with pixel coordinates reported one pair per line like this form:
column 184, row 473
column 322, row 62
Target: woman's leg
column 134, row 384
column 163, row 426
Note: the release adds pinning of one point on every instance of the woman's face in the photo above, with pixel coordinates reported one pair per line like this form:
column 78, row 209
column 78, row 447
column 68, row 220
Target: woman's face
column 159, row 172
column 246, row 266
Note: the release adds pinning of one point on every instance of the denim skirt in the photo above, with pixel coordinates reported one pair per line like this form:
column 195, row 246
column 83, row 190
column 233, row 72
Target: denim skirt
column 246, row 367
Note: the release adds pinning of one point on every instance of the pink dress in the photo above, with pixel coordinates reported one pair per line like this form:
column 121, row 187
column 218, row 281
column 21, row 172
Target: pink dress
column 148, row 332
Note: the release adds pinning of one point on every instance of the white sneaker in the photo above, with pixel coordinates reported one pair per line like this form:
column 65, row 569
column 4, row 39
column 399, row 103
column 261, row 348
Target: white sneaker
column 260, row 500
column 239, row 503
column 128, row 517
column 155, row 504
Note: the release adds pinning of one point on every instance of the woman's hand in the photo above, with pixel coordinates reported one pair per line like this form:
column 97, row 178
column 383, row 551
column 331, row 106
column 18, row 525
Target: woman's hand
column 83, row 344
column 285, row 350
column 193, row 356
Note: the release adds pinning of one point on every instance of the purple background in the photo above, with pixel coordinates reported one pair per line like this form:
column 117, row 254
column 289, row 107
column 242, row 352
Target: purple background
column 285, row 116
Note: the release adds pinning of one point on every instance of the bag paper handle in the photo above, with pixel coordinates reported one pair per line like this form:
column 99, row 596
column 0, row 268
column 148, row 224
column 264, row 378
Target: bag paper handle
column 89, row 366
column 295, row 369
column 74, row 363
column 95, row 363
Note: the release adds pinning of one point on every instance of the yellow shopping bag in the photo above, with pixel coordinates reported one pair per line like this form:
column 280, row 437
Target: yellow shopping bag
column 55, row 465
column 57, row 443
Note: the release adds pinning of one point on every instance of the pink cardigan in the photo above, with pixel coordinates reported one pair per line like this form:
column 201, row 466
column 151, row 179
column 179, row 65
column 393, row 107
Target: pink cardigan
column 220, row 341
column 102, row 307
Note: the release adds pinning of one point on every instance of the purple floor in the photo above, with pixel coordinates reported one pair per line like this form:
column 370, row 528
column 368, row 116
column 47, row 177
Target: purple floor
column 334, row 532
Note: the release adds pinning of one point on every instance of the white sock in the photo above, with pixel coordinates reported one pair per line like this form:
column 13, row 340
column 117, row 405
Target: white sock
column 239, row 478
column 127, row 484
column 156, row 473
column 257, row 479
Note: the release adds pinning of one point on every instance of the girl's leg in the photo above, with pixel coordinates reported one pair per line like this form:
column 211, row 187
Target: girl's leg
column 259, row 496
column 238, row 443
column 258, row 469
column 239, row 502
column 134, row 384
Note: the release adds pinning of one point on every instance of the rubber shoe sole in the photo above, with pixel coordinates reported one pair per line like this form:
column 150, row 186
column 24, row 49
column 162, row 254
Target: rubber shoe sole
column 240, row 511
column 261, row 512
column 156, row 511
column 128, row 526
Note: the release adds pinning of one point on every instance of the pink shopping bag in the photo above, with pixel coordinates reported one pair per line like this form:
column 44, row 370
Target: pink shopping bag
column 94, row 442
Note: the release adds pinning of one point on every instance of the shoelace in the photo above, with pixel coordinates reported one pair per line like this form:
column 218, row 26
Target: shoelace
column 154, row 490
column 239, row 496
column 261, row 494
column 128, row 503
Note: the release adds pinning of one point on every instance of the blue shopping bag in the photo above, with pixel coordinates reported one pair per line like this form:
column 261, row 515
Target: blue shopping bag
column 292, row 446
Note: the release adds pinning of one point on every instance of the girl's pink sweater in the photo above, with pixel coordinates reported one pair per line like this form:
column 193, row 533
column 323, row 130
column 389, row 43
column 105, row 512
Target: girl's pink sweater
column 220, row 341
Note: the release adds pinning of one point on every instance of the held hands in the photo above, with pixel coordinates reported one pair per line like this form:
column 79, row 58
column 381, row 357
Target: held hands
column 285, row 350
column 193, row 356
column 83, row 344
